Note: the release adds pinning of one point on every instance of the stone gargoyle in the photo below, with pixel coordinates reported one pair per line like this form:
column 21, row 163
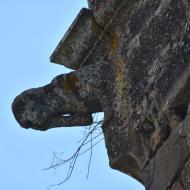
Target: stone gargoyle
column 132, row 62
column 69, row 100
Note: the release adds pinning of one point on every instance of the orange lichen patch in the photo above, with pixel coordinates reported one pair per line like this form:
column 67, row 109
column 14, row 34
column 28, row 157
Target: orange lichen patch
column 70, row 81
column 121, row 87
column 120, row 71
column 94, row 26
column 115, row 42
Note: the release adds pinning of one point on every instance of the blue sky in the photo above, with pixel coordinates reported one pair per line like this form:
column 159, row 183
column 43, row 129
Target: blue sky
column 30, row 31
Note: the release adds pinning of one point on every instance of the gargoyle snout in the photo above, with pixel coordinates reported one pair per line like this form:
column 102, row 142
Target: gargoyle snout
column 25, row 110
column 18, row 108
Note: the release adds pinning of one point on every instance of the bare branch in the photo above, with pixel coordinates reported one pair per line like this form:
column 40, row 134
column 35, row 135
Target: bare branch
column 87, row 140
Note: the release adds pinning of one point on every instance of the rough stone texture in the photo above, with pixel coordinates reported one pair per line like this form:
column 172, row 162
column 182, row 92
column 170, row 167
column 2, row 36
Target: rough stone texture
column 103, row 10
column 177, row 186
column 77, row 41
column 185, row 177
column 136, row 69
column 169, row 160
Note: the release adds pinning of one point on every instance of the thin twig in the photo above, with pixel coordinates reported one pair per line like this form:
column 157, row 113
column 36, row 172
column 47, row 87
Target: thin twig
column 89, row 158
column 84, row 141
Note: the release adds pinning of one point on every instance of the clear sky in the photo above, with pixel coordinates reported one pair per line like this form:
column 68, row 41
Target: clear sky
column 29, row 32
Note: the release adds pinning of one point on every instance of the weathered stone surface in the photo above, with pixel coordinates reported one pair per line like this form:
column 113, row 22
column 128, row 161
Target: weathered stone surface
column 187, row 126
column 137, row 71
column 185, row 177
column 78, row 40
column 177, row 186
column 104, row 10
column 169, row 160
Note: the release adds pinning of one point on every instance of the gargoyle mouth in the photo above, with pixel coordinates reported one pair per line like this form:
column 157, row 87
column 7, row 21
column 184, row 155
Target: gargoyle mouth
column 60, row 121
column 70, row 120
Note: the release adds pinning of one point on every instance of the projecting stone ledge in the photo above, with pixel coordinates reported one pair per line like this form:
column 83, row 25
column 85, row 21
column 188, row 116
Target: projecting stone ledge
column 80, row 38
column 132, row 61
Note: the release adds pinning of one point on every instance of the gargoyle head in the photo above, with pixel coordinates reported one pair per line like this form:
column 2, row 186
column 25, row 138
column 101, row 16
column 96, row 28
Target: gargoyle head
column 53, row 105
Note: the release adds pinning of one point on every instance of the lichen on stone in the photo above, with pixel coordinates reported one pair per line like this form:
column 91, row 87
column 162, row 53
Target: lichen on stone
column 131, row 61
